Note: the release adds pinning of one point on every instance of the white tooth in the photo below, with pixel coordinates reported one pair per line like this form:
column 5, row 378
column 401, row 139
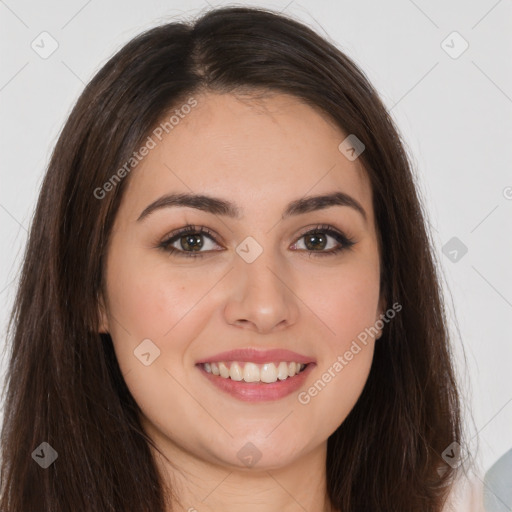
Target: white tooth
column 268, row 373
column 251, row 372
column 224, row 370
column 282, row 371
column 235, row 372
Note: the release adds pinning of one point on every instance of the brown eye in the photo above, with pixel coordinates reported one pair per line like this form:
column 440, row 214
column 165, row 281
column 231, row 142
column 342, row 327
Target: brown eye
column 189, row 242
column 316, row 241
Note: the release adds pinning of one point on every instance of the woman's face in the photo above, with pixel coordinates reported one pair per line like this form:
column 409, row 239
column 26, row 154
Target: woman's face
column 259, row 294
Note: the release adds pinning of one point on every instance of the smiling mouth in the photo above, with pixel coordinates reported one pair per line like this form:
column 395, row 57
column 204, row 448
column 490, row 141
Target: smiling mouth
column 248, row 372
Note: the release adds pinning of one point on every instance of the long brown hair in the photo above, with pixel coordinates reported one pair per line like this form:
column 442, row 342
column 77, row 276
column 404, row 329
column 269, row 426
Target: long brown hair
column 64, row 385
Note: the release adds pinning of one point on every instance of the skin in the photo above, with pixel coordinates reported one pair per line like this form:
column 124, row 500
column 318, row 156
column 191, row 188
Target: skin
column 261, row 154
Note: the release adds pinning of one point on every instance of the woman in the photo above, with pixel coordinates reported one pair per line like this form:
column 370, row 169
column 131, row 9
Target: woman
column 229, row 298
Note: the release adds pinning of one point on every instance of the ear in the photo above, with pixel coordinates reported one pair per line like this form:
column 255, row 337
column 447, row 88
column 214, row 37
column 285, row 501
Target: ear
column 103, row 327
column 380, row 311
column 382, row 305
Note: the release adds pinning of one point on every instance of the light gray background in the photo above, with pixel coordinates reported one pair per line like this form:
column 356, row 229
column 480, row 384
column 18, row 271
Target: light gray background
column 454, row 115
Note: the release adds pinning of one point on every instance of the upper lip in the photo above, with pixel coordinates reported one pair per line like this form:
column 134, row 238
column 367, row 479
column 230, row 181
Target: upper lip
column 252, row 355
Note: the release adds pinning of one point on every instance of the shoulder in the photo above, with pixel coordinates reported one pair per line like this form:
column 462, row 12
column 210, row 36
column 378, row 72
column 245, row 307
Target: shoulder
column 467, row 495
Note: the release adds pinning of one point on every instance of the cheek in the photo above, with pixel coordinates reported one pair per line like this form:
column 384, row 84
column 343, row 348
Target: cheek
column 146, row 299
column 339, row 385
column 355, row 312
column 347, row 303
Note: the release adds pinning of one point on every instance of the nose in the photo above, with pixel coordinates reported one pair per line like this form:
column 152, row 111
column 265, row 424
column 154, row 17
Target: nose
column 261, row 296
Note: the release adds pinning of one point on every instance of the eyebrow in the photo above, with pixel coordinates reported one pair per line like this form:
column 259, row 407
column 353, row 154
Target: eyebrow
column 219, row 206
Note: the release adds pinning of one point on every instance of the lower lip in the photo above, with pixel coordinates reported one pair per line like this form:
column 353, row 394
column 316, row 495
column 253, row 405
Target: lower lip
column 259, row 391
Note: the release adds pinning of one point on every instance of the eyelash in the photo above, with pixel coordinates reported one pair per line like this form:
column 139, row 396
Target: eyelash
column 346, row 242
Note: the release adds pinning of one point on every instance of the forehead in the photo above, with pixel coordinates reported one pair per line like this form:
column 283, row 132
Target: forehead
column 259, row 152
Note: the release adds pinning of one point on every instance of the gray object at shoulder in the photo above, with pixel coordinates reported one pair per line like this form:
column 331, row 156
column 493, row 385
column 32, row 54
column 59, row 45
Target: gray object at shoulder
column 498, row 485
